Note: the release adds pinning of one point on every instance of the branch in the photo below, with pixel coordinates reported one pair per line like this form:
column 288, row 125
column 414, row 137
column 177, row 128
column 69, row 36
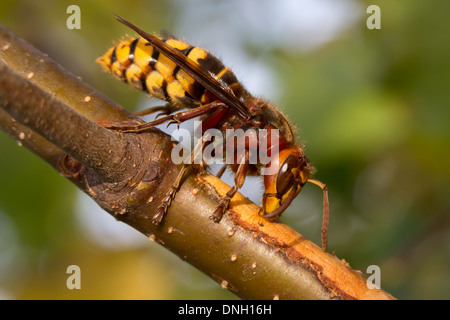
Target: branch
column 55, row 114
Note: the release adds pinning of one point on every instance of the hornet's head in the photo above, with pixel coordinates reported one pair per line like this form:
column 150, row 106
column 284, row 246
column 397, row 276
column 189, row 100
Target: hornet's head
column 285, row 184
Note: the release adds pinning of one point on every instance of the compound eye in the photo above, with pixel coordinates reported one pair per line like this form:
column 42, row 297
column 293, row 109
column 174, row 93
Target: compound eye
column 287, row 174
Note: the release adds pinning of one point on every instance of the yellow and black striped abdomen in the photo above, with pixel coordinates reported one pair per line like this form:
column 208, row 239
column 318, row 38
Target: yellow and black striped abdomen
column 137, row 62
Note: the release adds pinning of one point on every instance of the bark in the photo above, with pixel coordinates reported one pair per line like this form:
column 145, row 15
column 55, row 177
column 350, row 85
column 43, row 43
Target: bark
column 56, row 115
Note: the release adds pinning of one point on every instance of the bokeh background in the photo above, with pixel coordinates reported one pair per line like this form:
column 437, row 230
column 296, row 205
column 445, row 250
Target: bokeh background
column 372, row 107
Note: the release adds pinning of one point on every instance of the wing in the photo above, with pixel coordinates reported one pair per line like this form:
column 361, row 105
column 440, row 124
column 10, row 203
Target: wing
column 224, row 93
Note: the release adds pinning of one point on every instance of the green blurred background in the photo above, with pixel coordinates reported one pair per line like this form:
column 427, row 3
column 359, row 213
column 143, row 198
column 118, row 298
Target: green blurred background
column 372, row 107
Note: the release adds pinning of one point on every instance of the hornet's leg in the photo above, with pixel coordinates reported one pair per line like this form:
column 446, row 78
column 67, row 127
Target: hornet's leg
column 221, row 171
column 164, row 110
column 170, row 195
column 238, row 182
column 177, row 118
